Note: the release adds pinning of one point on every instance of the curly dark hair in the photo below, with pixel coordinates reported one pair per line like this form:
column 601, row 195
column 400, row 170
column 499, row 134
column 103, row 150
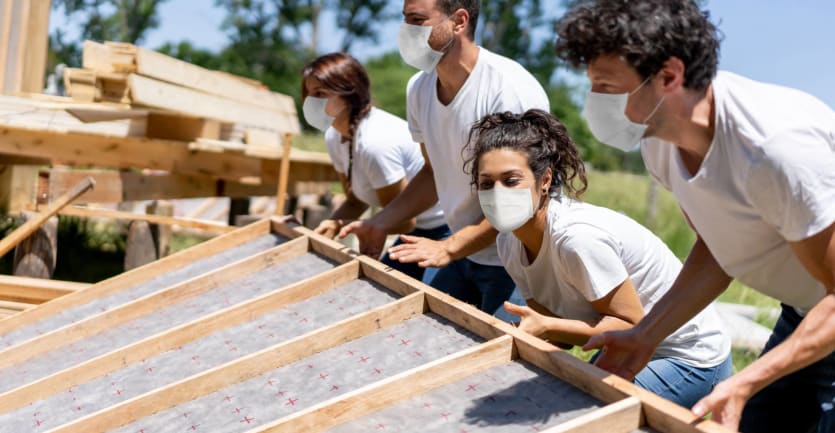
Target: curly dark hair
column 645, row 32
column 539, row 135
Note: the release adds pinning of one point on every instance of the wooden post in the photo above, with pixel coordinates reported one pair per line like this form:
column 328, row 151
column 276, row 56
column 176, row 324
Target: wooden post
column 139, row 246
column 37, row 255
column 283, row 175
column 161, row 232
column 22, row 232
column 24, row 33
column 18, row 187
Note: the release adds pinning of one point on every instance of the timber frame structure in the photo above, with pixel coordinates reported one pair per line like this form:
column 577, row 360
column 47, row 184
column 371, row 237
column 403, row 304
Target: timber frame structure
column 301, row 274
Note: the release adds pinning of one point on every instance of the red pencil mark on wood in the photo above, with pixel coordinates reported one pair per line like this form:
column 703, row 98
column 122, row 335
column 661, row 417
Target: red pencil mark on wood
column 247, row 420
column 334, row 388
column 364, row 358
column 471, row 388
column 404, row 342
column 323, row 376
column 445, row 416
column 291, row 401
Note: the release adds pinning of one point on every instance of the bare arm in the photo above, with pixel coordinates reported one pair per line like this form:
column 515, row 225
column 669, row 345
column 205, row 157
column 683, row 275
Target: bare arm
column 619, row 310
column 813, row 339
column 700, row 281
column 349, row 210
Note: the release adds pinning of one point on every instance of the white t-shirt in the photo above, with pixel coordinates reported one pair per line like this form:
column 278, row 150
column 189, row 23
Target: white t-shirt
column 586, row 252
column 767, row 179
column 496, row 84
column 384, row 153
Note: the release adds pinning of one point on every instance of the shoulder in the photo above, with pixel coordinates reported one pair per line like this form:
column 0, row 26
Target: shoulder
column 417, row 83
column 508, row 76
column 383, row 132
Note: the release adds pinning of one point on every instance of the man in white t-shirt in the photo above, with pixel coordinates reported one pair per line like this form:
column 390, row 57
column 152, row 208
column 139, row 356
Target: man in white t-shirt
column 460, row 83
column 752, row 166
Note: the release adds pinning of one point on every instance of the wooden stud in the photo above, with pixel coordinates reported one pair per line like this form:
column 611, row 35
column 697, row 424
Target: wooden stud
column 15, row 306
column 129, row 279
column 177, row 336
column 147, row 304
column 87, row 212
column 249, row 366
column 22, row 232
column 284, row 174
column 18, row 186
column 623, row 416
column 35, row 290
column 391, row 390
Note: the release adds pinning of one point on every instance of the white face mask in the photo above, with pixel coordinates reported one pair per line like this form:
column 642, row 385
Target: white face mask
column 413, row 42
column 605, row 114
column 506, row 209
column 314, row 113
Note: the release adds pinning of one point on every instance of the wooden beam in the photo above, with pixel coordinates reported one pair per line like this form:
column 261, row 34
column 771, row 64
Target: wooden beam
column 248, row 366
column 18, row 187
column 139, row 275
column 24, row 26
column 284, row 175
column 126, row 58
column 391, row 390
column 124, row 152
column 623, row 416
column 149, row 303
column 29, row 227
column 35, row 290
column 119, row 186
column 15, row 306
column 177, row 337
column 152, row 219
column 149, row 92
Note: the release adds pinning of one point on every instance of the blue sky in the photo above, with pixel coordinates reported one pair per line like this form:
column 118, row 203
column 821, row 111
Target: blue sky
column 788, row 42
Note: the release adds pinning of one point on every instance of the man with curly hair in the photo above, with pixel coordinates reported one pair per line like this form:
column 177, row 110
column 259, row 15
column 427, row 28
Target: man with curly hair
column 752, row 166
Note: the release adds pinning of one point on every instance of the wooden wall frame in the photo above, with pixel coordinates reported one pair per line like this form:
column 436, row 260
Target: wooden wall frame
column 624, row 407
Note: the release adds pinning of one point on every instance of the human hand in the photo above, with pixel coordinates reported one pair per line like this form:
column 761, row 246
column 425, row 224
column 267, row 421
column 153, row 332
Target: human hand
column 532, row 322
column 623, row 353
column 284, row 219
column 372, row 238
column 725, row 402
column 425, row 252
column 328, row 228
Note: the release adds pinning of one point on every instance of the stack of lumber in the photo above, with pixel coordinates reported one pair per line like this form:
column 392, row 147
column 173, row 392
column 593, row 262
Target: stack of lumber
column 213, row 110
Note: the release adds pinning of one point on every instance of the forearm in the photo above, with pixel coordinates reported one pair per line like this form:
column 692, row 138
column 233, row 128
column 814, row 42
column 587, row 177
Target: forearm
column 350, row 209
column 418, row 196
column 813, row 339
column 470, row 239
column 700, row 281
column 578, row 332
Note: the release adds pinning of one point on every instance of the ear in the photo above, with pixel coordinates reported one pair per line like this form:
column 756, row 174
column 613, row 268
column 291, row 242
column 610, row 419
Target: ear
column 546, row 180
column 672, row 75
column 461, row 21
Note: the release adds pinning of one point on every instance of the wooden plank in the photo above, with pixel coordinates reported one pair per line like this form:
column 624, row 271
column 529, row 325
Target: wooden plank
column 112, row 57
column 182, row 128
column 18, row 187
column 136, row 276
column 177, row 337
column 34, row 46
column 121, row 186
column 78, row 148
column 29, row 227
column 284, row 173
column 36, row 290
column 148, row 92
column 15, row 306
column 249, row 366
column 152, row 219
column 623, row 416
column 147, row 304
column 402, row 386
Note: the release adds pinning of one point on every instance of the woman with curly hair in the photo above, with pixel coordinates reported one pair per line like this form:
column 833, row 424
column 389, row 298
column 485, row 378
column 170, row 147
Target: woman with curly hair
column 583, row 269
column 372, row 150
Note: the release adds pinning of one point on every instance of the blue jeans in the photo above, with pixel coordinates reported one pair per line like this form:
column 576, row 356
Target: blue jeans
column 412, row 269
column 484, row 286
column 680, row 382
column 802, row 401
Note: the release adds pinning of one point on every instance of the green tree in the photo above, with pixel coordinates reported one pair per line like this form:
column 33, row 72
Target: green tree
column 102, row 20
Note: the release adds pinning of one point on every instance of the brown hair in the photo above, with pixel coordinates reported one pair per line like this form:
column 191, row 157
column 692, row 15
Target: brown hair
column 344, row 76
column 540, row 136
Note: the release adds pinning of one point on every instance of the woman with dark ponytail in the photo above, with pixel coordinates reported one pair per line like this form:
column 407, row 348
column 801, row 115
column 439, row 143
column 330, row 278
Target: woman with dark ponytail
column 372, row 150
column 583, row 269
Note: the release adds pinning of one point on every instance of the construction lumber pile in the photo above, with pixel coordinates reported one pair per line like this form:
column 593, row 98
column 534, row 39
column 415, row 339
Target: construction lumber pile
column 215, row 110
